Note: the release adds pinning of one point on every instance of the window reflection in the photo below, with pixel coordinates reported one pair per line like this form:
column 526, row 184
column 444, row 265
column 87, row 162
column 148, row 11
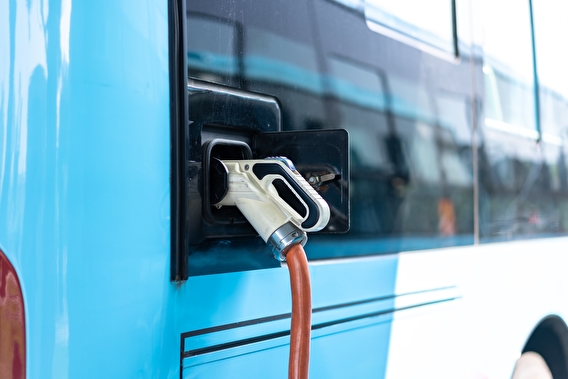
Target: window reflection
column 408, row 18
column 213, row 52
column 406, row 159
column 552, row 63
column 508, row 68
column 411, row 179
column 524, row 185
column 275, row 59
column 549, row 24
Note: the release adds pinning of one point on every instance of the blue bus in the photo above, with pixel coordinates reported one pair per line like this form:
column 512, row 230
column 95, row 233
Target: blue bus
column 436, row 132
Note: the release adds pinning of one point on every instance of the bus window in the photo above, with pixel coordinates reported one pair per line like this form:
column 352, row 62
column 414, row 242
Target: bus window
column 552, row 61
column 406, row 19
column 508, row 68
column 522, row 182
column 510, row 163
column 409, row 123
column 549, row 23
column 214, row 49
column 267, row 50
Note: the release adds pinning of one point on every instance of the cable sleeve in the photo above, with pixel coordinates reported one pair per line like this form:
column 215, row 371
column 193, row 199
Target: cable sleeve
column 301, row 325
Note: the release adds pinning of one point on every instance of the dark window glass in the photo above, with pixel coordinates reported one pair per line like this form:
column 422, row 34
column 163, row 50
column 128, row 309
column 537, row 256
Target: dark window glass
column 508, row 68
column 552, row 62
column 430, row 22
column 523, row 181
column 408, row 112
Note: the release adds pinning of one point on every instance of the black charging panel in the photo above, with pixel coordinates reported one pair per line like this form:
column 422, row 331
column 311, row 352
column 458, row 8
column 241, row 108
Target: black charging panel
column 227, row 123
column 222, row 122
column 316, row 153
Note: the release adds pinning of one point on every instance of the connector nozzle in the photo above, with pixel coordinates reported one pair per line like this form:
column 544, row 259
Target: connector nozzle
column 284, row 237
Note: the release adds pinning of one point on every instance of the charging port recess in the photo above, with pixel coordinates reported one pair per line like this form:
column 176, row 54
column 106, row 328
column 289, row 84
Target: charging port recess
column 228, row 124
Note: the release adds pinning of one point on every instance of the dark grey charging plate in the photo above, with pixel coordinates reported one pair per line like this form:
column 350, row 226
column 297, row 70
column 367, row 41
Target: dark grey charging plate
column 322, row 157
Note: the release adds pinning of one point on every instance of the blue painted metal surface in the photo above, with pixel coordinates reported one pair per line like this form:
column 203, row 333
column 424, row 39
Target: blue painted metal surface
column 84, row 184
column 351, row 334
column 84, row 207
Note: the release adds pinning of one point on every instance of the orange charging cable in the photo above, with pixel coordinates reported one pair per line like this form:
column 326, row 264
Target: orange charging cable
column 300, row 330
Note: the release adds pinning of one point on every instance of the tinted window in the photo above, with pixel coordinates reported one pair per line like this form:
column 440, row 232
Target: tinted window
column 430, row 22
column 522, row 181
column 552, row 62
column 408, row 112
column 508, row 67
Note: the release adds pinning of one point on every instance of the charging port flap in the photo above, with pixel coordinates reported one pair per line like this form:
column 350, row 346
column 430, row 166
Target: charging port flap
column 322, row 158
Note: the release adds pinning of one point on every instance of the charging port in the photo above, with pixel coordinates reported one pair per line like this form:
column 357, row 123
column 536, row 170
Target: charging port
column 215, row 184
column 228, row 124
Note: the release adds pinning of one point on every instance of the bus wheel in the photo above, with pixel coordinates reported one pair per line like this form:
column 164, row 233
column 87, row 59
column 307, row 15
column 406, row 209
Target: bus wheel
column 531, row 366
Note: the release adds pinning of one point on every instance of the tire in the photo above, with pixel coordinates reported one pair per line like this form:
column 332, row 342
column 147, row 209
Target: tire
column 531, row 366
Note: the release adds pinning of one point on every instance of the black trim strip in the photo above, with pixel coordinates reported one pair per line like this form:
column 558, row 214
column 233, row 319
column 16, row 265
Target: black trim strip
column 455, row 30
column 237, row 343
column 178, row 122
column 266, row 337
column 282, row 316
column 235, row 325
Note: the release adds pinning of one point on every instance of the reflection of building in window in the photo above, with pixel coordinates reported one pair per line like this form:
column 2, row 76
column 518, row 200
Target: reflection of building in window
column 273, row 58
column 510, row 102
column 408, row 17
column 216, row 52
column 243, row 54
column 407, row 144
column 405, row 21
column 552, row 62
column 213, row 49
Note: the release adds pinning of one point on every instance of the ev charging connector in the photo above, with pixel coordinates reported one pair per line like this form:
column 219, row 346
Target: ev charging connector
column 281, row 206
column 277, row 201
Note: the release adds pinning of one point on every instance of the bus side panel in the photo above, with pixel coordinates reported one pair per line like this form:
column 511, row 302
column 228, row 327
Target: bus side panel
column 84, row 184
column 498, row 301
column 357, row 353
column 241, row 324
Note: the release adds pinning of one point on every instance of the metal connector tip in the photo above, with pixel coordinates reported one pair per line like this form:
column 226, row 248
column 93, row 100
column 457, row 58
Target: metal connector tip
column 284, row 237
